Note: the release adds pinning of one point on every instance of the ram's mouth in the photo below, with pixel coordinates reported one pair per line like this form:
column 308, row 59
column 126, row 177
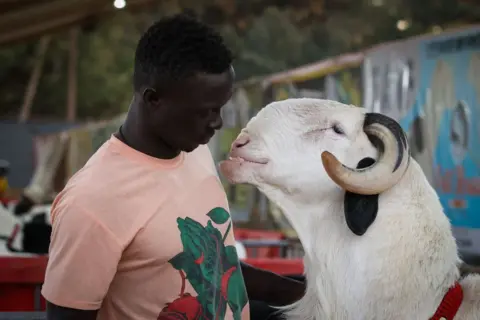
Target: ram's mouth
column 238, row 159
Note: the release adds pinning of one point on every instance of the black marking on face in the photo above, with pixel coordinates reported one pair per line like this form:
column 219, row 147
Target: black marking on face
column 360, row 210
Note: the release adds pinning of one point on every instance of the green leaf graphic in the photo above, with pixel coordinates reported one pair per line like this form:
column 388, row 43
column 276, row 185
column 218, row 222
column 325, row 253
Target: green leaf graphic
column 226, row 232
column 179, row 261
column 192, row 234
column 237, row 294
column 211, row 268
column 219, row 215
column 231, row 255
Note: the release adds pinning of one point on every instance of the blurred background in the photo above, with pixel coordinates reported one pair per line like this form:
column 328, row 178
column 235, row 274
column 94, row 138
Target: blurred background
column 65, row 85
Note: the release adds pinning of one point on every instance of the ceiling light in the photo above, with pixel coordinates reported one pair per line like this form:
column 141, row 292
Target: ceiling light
column 402, row 25
column 119, row 4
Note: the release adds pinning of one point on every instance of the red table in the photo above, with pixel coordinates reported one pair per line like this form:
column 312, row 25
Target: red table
column 20, row 283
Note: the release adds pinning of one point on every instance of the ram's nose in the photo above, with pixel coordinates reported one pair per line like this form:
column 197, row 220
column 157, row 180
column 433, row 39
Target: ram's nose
column 241, row 141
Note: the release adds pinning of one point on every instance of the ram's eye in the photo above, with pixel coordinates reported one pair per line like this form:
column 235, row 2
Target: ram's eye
column 336, row 128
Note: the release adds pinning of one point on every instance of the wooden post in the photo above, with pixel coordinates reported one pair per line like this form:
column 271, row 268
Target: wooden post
column 72, row 75
column 32, row 86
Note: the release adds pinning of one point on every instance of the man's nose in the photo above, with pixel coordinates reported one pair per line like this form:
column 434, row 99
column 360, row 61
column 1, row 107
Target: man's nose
column 241, row 141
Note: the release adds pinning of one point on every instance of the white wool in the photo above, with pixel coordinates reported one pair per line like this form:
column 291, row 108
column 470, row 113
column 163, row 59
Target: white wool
column 400, row 268
column 241, row 250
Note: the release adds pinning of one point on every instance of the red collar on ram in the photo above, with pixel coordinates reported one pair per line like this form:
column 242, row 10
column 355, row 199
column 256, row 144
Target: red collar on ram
column 450, row 304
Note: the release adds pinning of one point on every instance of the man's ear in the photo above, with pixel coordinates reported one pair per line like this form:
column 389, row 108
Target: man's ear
column 360, row 210
column 151, row 97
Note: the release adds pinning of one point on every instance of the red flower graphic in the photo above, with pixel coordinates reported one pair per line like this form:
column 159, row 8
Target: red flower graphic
column 186, row 307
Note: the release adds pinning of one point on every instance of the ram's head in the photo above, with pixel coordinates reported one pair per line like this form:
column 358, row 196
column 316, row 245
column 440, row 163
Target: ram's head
column 281, row 151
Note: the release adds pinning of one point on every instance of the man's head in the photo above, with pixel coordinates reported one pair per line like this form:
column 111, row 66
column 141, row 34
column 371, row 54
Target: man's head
column 281, row 150
column 183, row 76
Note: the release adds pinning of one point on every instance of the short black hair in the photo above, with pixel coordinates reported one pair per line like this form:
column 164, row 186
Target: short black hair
column 178, row 47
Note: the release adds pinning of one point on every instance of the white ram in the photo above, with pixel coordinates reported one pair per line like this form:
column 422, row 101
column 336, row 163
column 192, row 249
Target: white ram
column 377, row 242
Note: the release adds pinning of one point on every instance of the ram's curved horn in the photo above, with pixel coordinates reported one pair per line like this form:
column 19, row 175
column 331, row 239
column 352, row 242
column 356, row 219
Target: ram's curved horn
column 390, row 139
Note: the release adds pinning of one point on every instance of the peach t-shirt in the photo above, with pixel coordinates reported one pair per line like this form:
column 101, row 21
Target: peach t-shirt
column 142, row 238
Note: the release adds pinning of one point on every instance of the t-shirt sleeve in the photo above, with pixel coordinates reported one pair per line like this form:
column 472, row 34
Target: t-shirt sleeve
column 83, row 259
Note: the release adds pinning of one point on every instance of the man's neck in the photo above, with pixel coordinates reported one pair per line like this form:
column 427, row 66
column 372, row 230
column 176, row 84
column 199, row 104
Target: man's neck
column 135, row 134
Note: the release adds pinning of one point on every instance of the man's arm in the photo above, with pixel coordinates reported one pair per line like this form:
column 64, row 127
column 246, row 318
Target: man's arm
column 271, row 288
column 55, row 312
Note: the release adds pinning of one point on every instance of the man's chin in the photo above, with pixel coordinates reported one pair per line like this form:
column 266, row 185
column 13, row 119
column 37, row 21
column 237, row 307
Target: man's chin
column 190, row 147
column 193, row 146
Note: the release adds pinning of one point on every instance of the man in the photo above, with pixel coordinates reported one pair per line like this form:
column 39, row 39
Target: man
column 143, row 230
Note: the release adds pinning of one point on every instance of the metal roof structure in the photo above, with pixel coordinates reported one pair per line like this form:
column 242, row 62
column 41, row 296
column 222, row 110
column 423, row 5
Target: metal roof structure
column 21, row 20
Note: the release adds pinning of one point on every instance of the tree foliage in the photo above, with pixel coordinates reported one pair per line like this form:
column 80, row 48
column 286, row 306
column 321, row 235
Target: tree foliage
column 266, row 36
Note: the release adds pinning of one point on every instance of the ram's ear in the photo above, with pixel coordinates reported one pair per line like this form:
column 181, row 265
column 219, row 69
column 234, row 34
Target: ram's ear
column 360, row 210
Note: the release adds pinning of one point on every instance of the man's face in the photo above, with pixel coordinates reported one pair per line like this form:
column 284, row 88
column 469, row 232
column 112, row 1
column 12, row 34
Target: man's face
column 189, row 114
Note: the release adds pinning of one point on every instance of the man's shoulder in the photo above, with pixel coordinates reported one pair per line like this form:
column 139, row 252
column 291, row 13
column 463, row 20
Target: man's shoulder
column 100, row 184
column 112, row 203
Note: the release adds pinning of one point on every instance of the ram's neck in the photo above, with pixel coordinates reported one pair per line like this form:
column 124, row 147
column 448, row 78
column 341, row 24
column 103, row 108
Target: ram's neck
column 341, row 289
column 329, row 258
column 351, row 277
column 400, row 269
column 312, row 221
